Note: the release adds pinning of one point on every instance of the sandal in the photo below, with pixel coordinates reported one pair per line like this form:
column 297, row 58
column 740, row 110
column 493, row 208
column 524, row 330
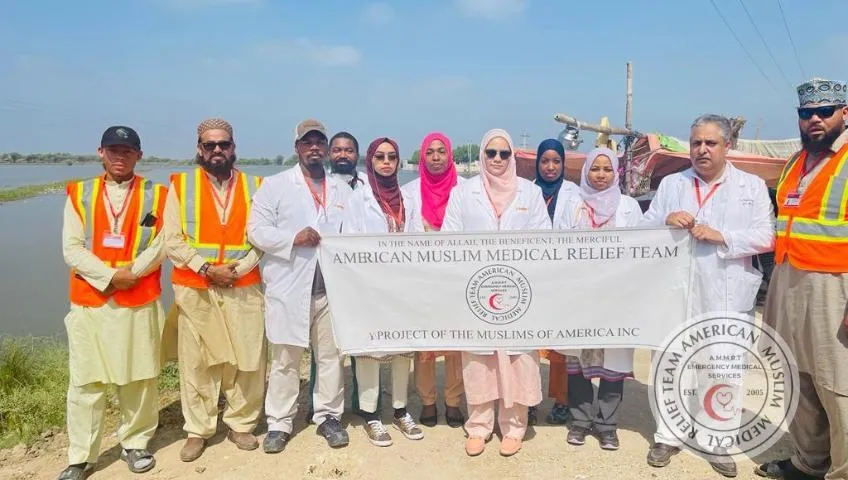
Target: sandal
column 429, row 416
column 79, row 471
column 454, row 417
column 138, row 460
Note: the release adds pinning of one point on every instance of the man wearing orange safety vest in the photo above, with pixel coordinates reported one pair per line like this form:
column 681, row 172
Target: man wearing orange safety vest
column 111, row 242
column 808, row 292
column 217, row 296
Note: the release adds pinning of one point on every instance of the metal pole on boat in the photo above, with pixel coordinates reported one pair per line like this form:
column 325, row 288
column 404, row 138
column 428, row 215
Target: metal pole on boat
column 628, row 124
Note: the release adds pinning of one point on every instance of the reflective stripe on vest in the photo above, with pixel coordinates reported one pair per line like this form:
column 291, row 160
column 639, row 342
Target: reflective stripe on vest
column 88, row 194
column 190, row 191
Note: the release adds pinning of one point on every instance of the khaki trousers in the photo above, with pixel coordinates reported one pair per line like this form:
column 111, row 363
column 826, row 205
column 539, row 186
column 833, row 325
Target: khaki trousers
column 820, row 431
column 425, row 380
column 87, row 405
column 368, row 381
column 284, row 380
column 201, row 384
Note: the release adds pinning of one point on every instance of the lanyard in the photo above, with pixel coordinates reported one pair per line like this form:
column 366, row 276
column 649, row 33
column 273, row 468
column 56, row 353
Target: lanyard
column 595, row 225
column 548, row 201
column 320, row 202
column 117, row 215
column 230, row 184
column 701, row 202
column 388, row 211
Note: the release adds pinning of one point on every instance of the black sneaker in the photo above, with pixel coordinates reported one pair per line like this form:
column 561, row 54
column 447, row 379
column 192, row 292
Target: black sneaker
column 577, row 435
column 660, row 454
column 782, row 469
column 332, row 431
column 608, row 440
column 275, row 441
column 532, row 417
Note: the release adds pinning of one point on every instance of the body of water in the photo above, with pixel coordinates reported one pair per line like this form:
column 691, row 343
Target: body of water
column 34, row 283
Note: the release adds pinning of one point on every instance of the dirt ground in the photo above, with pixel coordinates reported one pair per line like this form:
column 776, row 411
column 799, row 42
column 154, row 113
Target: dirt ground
column 439, row 455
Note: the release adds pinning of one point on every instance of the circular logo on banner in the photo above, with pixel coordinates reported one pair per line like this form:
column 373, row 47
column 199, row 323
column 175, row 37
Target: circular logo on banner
column 724, row 386
column 498, row 294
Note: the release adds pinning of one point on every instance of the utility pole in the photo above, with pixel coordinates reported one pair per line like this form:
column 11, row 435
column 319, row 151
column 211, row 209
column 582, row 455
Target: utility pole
column 524, row 137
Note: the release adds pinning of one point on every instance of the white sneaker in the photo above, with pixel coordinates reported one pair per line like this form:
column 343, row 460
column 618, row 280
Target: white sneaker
column 408, row 427
column 377, row 433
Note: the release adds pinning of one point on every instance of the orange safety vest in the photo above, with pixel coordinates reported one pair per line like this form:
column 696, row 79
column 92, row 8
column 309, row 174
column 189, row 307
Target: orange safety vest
column 814, row 235
column 146, row 197
column 202, row 229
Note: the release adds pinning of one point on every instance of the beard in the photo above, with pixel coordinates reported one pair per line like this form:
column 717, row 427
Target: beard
column 219, row 169
column 823, row 144
column 345, row 167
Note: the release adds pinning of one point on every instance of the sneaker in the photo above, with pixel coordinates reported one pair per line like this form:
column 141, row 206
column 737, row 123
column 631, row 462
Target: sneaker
column 558, row 415
column 608, row 440
column 275, row 441
column 408, row 427
column 775, row 469
column 660, row 454
column 723, row 464
column 377, row 434
column 332, row 431
column 577, row 435
column 531, row 416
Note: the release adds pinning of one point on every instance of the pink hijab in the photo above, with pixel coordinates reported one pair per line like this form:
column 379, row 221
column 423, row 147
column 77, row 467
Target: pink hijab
column 500, row 189
column 435, row 189
column 603, row 203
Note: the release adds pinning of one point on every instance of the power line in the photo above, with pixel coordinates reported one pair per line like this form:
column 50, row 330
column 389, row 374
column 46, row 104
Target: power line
column 794, row 50
column 750, row 57
column 765, row 44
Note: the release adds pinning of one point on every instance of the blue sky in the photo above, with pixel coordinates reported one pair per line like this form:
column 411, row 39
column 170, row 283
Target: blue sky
column 401, row 69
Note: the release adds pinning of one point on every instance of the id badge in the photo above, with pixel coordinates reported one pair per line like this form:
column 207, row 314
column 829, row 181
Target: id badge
column 793, row 199
column 113, row 240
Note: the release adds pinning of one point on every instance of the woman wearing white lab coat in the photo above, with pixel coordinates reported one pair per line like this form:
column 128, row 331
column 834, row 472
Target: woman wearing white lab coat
column 381, row 207
column 597, row 204
column 498, row 199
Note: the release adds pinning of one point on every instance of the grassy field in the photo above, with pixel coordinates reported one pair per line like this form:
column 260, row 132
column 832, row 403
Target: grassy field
column 29, row 191
column 33, row 387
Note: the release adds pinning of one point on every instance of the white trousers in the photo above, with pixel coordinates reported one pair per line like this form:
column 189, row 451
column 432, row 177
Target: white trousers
column 368, row 380
column 284, row 379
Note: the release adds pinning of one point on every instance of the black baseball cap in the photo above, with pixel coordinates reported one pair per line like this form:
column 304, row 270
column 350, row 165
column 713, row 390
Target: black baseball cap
column 120, row 135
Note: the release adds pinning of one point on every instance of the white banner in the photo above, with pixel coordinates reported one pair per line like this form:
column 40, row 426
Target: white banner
column 506, row 290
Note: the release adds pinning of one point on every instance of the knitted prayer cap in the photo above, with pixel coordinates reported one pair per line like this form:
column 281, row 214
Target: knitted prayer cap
column 819, row 91
column 214, row 124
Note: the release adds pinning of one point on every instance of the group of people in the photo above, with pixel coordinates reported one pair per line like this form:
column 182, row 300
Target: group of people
column 248, row 285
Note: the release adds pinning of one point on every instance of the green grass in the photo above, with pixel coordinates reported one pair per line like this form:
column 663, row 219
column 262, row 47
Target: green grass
column 29, row 191
column 34, row 384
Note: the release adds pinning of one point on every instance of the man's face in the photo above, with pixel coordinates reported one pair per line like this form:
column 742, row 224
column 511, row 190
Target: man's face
column 312, row 149
column 119, row 160
column 343, row 156
column 216, row 152
column 821, row 125
column 707, row 150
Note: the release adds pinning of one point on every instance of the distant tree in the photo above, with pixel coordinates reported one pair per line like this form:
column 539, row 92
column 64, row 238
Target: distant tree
column 416, row 157
column 466, row 153
column 279, row 159
column 292, row 160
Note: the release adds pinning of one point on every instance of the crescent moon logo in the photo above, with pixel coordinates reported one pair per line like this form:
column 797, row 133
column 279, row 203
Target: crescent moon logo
column 495, row 301
column 724, row 400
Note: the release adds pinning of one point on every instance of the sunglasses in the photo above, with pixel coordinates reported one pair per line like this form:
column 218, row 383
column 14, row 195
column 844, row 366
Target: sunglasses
column 821, row 112
column 210, row 146
column 382, row 156
column 491, row 153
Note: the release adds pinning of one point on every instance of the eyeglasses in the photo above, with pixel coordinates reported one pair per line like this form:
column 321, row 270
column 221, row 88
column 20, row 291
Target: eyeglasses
column 380, row 156
column 491, row 152
column 821, row 112
column 210, row 146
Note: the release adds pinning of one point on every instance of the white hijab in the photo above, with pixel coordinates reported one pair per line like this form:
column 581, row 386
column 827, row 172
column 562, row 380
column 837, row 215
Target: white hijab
column 603, row 203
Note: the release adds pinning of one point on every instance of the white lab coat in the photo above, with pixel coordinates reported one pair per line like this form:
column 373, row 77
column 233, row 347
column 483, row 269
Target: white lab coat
column 567, row 191
column 364, row 215
column 412, row 189
column 724, row 278
column 282, row 207
column 470, row 210
column 628, row 214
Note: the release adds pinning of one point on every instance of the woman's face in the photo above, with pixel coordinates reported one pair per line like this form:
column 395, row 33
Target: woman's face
column 385, row 160
column 436, row 157
column 550, row 165
column 497, row 154
column 601, row 173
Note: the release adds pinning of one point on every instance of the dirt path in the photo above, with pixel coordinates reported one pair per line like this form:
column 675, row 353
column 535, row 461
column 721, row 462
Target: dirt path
column 439, row 455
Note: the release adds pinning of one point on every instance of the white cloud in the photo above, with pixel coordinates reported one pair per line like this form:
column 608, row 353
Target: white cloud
column 378, row 14
column 305, row 49
column 494, row 10
column 199, row 4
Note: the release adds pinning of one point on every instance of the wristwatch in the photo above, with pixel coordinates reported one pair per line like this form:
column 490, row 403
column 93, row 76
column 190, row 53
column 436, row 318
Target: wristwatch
column 203, row 269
